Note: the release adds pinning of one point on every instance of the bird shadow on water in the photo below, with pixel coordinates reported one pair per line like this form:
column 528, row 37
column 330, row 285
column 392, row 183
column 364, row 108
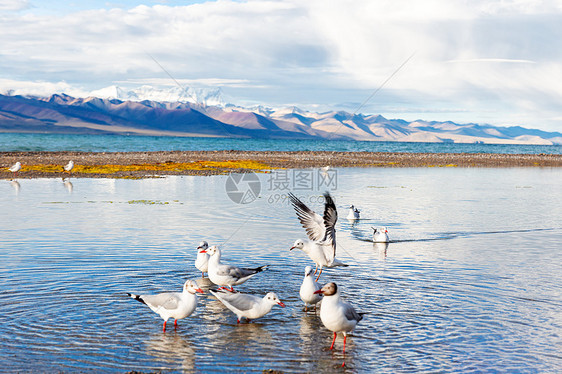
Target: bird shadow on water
column 174, row 349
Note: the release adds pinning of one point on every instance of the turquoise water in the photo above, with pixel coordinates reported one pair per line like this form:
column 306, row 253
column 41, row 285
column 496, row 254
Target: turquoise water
column 470, row 282
column 122, row 143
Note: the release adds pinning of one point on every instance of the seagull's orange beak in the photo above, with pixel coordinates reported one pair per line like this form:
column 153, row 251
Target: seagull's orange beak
column 281, row 303
column 203, row 251
column 319, row 291
column 199, row 290
column 291, row 248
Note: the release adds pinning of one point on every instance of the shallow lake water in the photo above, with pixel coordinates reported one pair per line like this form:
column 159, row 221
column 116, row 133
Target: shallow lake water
column 471, row 281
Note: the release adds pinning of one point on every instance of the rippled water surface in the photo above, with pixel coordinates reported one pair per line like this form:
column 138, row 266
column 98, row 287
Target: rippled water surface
column 471, row 281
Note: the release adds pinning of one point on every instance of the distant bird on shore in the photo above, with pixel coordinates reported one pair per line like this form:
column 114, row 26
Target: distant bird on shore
column 227, row 275
column 246, row 305
column 15, row 168
column 336, row 314
column 380, row 235
column 308, row 288
column 176, row 305
column 353, row 213
column 321, row 248
column 68, row 167
column 202, row 260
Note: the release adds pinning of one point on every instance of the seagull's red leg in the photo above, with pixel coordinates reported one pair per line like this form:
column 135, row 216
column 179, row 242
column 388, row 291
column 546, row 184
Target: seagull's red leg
column 333, row 341
column 175, row 323
column 238, row 320
column 164, row 329
column 319, row 275
column 344, row 339
column 231, row 289
column 315, row 269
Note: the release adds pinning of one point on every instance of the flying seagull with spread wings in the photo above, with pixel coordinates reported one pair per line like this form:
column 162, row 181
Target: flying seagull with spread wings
column 321, row 248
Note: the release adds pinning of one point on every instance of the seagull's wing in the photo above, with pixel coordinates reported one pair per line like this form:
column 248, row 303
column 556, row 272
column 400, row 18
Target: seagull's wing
column 237, row 300
column 330, row 219
column 350, row 313
column 238, row 273
column 311, row 221
column 166, row 300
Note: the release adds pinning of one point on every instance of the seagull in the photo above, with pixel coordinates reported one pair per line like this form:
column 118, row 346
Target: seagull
column 336, row 314
column 227, row 275
column 246, row 305
column 202, row 261
column 353, row 213
column 68, row 167
column 380, row 235
column 15, row 168
column 176, row 305
column 320, row 230
column 308, row 288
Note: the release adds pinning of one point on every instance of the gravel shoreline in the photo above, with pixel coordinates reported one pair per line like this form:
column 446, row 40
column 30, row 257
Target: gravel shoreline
column 46, row 164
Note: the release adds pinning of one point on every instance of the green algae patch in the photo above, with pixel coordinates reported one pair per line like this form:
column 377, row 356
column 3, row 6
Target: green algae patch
column 148, row 202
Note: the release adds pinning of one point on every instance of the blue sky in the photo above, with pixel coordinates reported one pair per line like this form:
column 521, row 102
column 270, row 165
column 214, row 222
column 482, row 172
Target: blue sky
column 496, row 62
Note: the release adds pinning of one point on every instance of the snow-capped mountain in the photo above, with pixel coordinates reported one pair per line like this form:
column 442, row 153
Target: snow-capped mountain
column 194, row 116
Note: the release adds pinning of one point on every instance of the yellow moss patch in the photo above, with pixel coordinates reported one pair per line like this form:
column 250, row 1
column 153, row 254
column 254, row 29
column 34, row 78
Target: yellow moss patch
column 160, row 167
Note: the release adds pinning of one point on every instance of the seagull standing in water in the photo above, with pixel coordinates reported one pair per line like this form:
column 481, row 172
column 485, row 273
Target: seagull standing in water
column 380, row 235
column 320, row 230
column 336, row 314
column 202, row 260
column 15, row 168
column 246, row 305
column 353, row 213
column 176, row 305
column 227, row 275
column 308, row 288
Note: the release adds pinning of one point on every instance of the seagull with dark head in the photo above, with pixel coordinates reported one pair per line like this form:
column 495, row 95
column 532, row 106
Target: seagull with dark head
column 336, row 314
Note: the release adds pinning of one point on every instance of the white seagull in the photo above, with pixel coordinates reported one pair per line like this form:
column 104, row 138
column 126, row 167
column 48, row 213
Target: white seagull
column 320, row 230
column 176, row 305
column 336, row 314
column 247, row 306
column 353, row 213
column 227, row 275
column 380, row 235
column 308, row 288
column 202, row 260
column 68, row 167
column 15, row 168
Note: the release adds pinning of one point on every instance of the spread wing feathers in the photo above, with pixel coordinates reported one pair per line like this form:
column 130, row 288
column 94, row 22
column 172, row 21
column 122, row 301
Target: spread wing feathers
column 167, row 300
column 237, row 300
column 330, row 219
column 236, row 272
column 310, row 220
column 351, row 314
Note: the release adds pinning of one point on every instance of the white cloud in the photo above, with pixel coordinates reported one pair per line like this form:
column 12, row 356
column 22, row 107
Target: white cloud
column 478, row 60
column 13, row 5
column 39, row 88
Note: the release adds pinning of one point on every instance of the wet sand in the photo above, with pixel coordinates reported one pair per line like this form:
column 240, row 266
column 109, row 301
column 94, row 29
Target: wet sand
column 149, row 164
